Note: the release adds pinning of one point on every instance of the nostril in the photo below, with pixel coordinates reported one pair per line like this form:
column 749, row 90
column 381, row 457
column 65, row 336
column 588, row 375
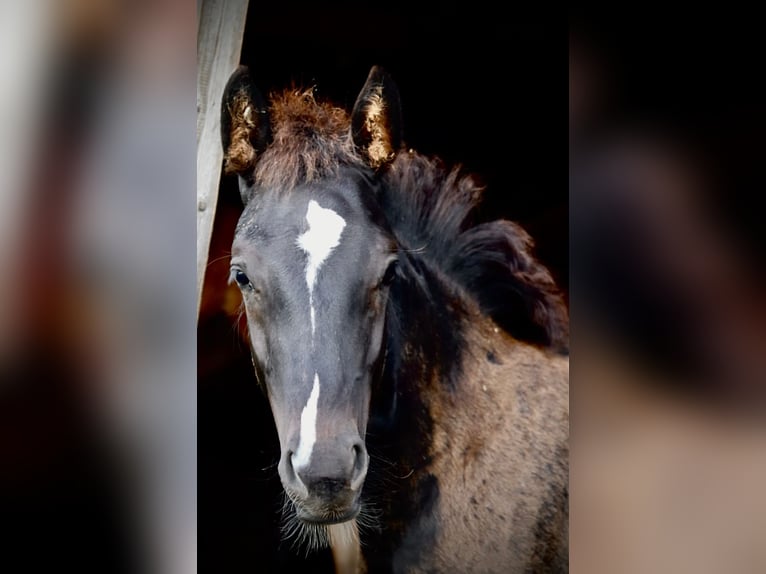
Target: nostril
column 361, row 460
column 290, row 467
column 360, row 453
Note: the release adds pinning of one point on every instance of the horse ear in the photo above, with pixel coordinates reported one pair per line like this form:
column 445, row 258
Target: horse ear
column 376, row 120
column 245, row 125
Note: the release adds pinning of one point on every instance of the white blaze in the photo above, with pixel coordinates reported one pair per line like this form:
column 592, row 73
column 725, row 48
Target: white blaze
column 308, row 428
column 322, row 236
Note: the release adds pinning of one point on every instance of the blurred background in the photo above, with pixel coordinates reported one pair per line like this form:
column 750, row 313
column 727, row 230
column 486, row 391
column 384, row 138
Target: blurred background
column 97, row 306
column 667, row 118
column 649, row 221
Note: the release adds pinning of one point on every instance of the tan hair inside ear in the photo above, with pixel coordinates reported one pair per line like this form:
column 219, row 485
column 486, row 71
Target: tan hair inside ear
column 240, row 156
column 380, row 149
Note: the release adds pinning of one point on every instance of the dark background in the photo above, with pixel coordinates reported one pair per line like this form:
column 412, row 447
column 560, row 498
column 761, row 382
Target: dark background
column 481, row 86
column 698, row 75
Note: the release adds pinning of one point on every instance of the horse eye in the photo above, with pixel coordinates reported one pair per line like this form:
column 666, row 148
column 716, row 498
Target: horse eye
column 239, row 276
column 390, row 274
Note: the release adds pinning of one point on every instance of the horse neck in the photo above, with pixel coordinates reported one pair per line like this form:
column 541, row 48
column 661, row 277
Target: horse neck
column 423, row 357
column 423, row 353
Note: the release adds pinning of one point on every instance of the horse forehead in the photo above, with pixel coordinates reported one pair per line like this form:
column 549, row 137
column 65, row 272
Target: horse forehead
column 280, row 210
column 329, row 229
column 277, row 222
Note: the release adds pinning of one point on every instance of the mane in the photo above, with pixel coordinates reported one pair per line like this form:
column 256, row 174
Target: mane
column 311, row 141
column 431, row 209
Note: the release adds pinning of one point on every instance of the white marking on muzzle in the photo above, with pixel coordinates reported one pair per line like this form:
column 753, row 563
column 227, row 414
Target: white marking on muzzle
column 308, row 434
column 322, row 236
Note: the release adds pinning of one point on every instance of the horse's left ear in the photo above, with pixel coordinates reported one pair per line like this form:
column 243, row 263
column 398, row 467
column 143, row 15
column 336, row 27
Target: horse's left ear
column 376, row 120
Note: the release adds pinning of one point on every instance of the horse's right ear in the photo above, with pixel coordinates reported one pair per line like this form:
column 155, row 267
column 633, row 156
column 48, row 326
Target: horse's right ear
column 245, row 126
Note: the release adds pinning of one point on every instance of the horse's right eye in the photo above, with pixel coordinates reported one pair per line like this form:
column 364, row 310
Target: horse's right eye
column 240, row 277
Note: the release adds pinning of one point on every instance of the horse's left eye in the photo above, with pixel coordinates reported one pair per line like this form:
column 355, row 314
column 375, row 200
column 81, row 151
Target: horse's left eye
column 390, row 274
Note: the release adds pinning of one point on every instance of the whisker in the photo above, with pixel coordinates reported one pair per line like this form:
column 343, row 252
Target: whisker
column 380, row 458
column 299, row 534
column 226, row 256
column 236, row 333
column 271, row 466
column 421, row 249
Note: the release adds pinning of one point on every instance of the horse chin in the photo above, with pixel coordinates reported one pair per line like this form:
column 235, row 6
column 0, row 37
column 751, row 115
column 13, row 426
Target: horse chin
column 314, row 530
column 328, row 517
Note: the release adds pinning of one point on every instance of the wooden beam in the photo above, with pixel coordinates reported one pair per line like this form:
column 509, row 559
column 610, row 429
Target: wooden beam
column 27, row 51
column 219, row 43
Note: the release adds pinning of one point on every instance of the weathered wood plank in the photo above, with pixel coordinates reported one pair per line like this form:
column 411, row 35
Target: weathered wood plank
column 26, row 53
column 219, row 42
